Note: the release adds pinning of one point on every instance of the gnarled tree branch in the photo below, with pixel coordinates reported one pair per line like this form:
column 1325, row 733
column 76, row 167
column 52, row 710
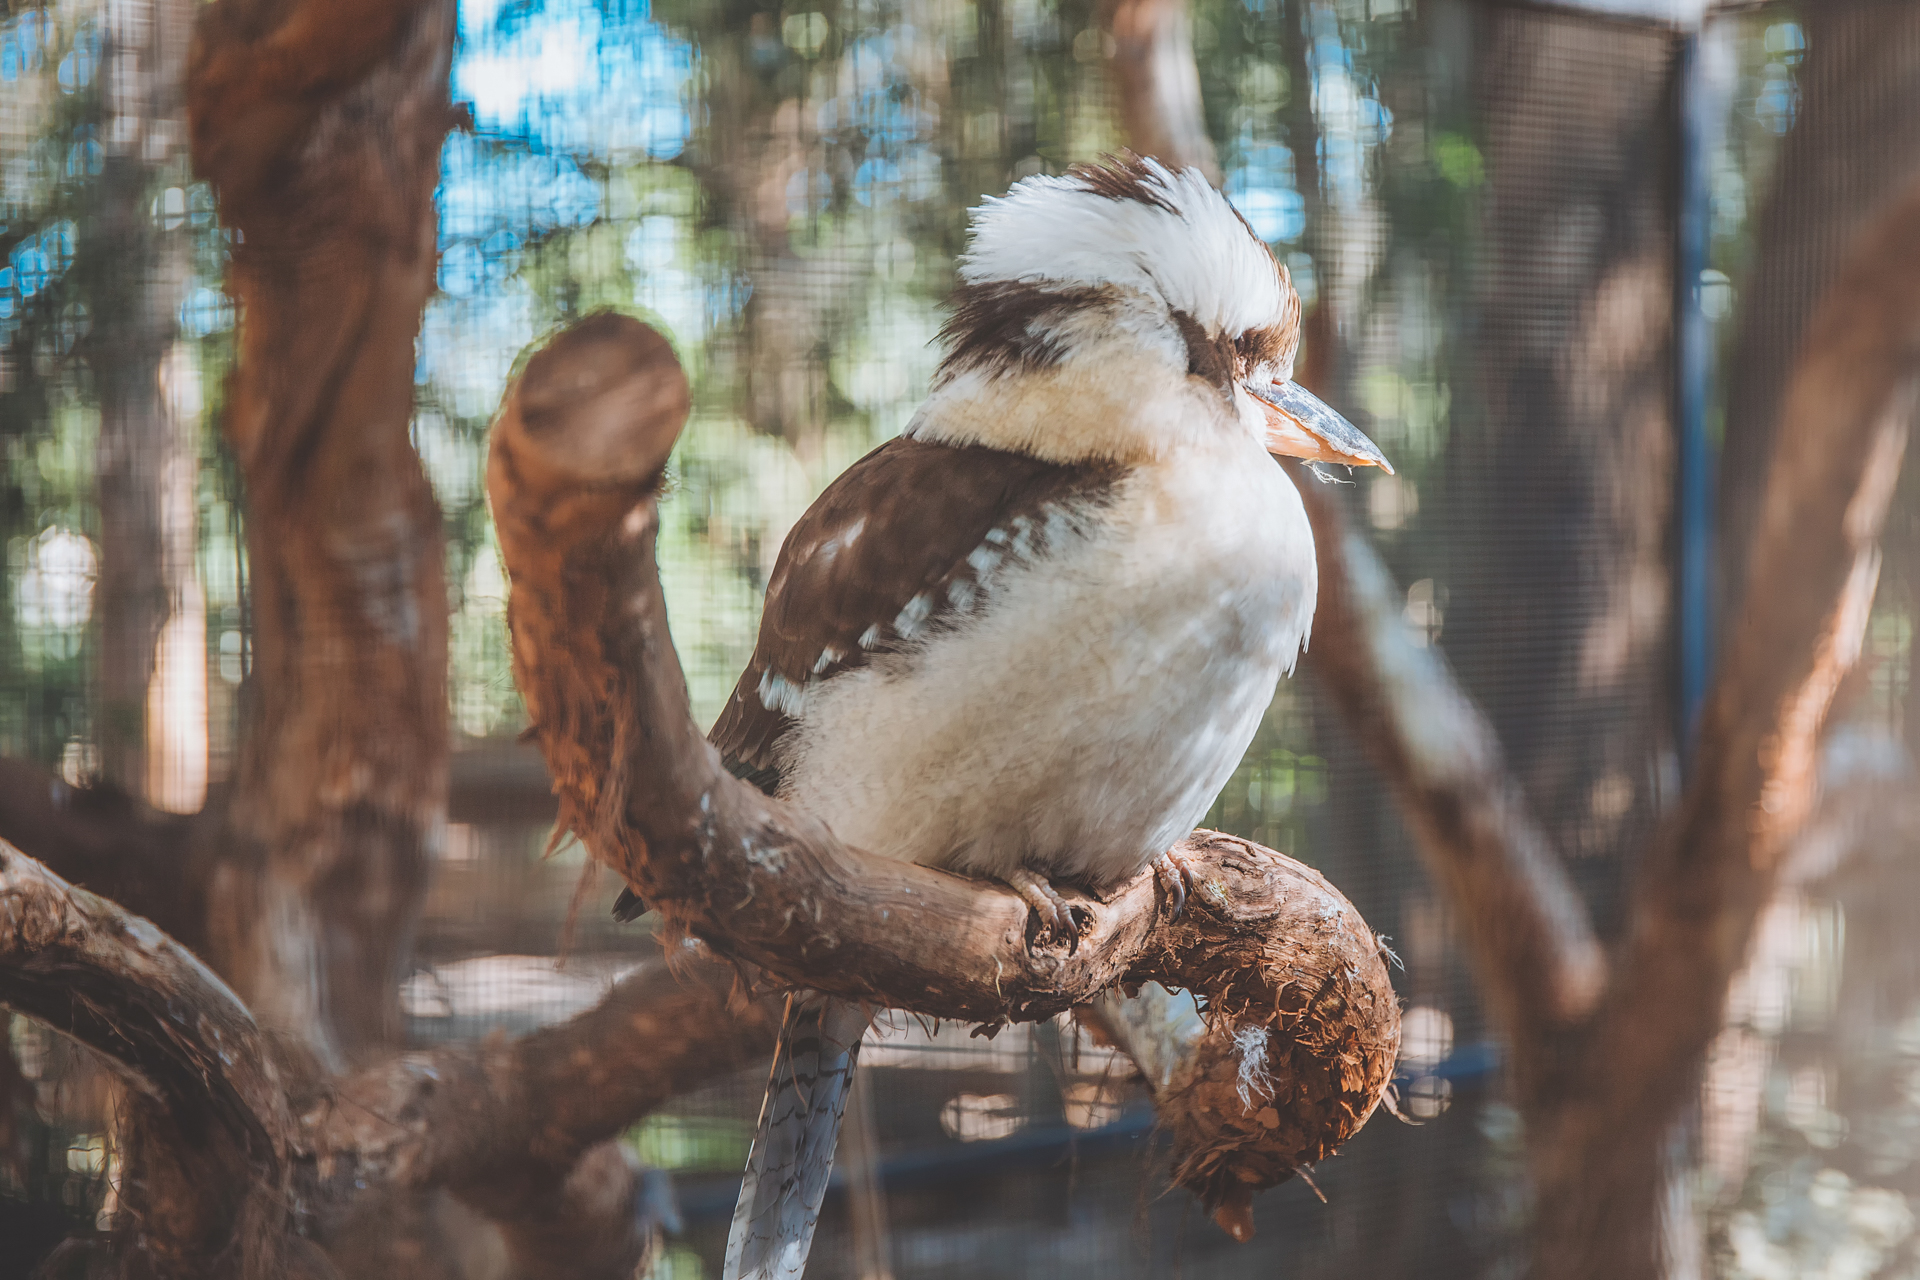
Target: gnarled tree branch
column 578, row 452
column 258, row 1168
column 326, row 172
column 208, row 1116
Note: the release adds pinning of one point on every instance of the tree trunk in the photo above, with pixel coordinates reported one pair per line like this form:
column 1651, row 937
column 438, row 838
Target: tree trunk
column 340, row 792
column 1556, row 475
column 1560, row 616
column 1158, row 82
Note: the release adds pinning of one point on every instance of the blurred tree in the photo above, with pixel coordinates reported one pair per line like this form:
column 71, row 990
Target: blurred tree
column 152, row 679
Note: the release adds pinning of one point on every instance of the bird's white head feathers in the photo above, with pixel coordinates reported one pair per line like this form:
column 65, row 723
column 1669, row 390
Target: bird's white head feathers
column 1115, row 311
column 1139, row 225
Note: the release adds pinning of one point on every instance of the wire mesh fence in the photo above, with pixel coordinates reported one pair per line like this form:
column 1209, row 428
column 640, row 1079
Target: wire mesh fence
column 1480, row 200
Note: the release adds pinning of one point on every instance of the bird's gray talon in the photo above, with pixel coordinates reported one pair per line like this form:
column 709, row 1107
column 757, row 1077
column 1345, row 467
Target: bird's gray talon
column 1176, row 877
column 1057, row 920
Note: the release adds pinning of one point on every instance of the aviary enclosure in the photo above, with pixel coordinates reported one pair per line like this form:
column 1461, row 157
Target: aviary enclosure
column 1603, row 731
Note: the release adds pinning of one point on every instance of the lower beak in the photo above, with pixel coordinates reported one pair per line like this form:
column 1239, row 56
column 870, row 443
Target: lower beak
column 1300, row 425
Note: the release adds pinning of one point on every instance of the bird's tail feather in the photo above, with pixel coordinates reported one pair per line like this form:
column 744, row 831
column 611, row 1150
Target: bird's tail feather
column 792, row 1152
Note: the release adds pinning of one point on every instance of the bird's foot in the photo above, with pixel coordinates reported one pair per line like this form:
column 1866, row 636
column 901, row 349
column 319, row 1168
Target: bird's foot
column 1175, row 874
column 1057, row 919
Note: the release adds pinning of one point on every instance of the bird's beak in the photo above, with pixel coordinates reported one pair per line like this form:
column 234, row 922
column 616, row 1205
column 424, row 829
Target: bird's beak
column 1300, row 425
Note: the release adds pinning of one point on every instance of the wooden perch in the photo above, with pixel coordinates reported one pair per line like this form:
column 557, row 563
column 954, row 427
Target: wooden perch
column 1284, row 965
column 262, row 1165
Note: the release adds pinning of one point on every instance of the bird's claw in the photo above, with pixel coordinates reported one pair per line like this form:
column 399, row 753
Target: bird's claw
column 1176, row 877
column 1058, row 920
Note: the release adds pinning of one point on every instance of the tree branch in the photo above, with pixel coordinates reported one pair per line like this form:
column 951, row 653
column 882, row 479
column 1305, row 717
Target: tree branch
column 495, row 1120
column 1158, row 82
column 118, row 985
column 517, row 1128
column 1811, row 579
column 1539, row 963
column 1810, row 584
column 326, row 171
column 578, row 452
column 208, row 1105
column 521, row 1129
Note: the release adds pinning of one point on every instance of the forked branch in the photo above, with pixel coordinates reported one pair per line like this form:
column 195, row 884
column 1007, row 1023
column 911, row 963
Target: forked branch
column 518, row 1128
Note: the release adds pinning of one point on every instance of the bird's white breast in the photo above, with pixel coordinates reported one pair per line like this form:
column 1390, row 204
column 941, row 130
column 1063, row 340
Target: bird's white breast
column 1084, row 720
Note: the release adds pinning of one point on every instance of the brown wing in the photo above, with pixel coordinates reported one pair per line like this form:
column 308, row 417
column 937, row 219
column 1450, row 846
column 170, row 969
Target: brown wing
column 904, row 543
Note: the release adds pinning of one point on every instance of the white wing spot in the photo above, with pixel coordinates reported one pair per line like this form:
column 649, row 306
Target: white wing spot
column 914, row 615
column 870, row 637
column 1023, row 537
column 828, row 656
column 840, row 541
column 984, row 560
column 777, row 693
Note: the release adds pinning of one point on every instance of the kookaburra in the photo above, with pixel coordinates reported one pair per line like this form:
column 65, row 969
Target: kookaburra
column 1031, row 638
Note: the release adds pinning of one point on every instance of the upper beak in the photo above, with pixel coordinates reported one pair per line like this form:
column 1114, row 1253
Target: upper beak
column 1300, row 425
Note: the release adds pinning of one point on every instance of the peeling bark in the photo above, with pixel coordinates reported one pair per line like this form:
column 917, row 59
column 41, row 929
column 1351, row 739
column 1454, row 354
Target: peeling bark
column 209, row 1118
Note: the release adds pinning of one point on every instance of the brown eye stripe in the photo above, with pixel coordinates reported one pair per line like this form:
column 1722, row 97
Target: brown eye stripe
column 1213, row 359
column 1001, row 326
column 1265, row 345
